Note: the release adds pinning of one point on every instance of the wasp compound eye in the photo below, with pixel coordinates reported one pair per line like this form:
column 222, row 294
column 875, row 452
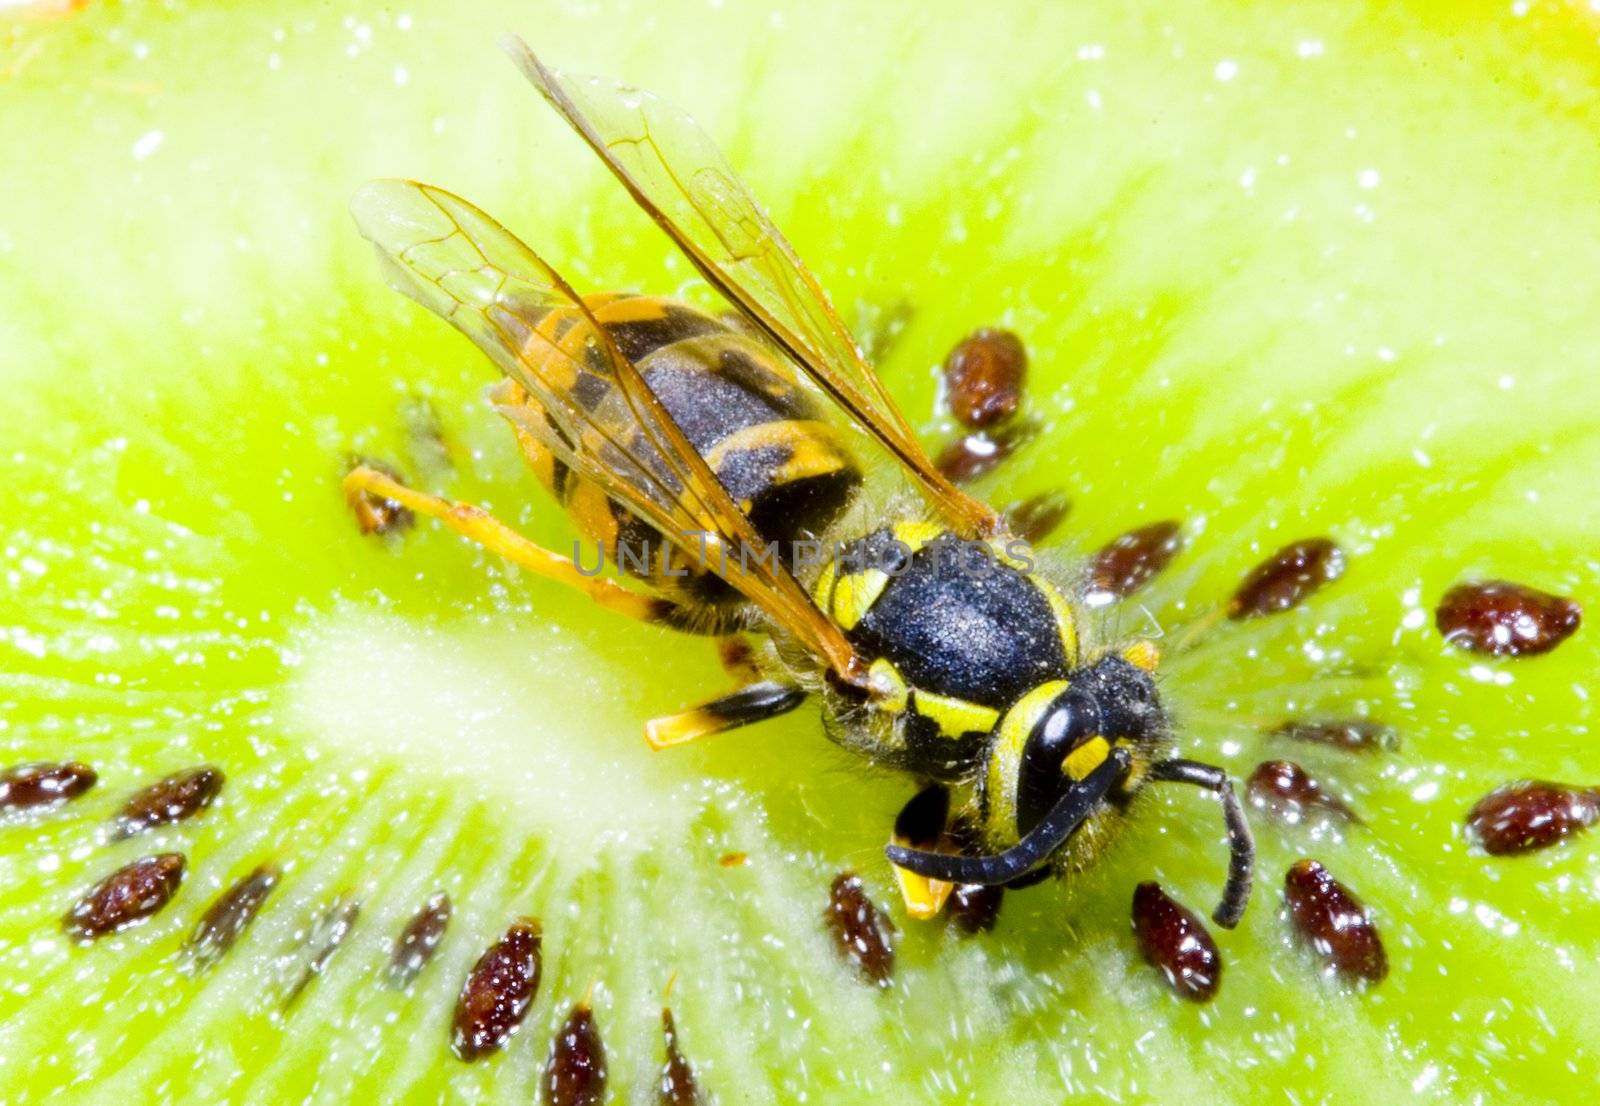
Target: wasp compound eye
column 1068, row 724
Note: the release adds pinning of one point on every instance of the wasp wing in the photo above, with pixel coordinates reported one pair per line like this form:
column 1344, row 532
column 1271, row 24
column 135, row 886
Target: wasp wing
column 676, row 173
column 465, row 267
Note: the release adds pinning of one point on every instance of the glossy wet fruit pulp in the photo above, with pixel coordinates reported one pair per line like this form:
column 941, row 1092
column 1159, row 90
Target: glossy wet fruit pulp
column 1283, row 275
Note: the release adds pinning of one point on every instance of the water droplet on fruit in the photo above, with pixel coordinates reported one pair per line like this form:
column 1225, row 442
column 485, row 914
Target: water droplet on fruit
column 1286, row 578
column 419, row 940
column 170, row 799
column 42, row 783
column 1501, row 618
column 131, row 894
column 1527, row 815
column 1334, row 922
column 983, row 378
column 229, row 916
column 1129, row 562
column 860, row 931
column 497, row 992
column 575, row 1073
column 1176, row 941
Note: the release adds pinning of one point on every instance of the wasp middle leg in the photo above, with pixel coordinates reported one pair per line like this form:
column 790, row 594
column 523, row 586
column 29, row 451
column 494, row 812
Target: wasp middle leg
column 754, row 702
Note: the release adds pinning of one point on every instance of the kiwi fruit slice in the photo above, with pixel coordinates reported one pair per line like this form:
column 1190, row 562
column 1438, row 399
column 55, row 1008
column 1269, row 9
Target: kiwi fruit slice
column 1283, row 274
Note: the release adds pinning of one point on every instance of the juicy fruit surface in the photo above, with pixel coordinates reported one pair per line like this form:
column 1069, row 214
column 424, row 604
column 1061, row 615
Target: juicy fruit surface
column 1283, row 274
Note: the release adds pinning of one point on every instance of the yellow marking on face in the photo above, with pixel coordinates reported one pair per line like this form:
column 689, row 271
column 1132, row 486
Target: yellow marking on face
column 1086, row 758
column 953, row 716
column 1066, row 620
column 1005, row 761
column 1143, row 654
column 854, row 593
column 890, row 687
column 915, row 535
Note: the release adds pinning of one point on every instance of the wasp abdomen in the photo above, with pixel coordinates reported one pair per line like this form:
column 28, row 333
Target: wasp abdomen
column 739, row 406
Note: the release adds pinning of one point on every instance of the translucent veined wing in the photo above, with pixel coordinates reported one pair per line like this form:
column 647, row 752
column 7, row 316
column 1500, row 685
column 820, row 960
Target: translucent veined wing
column 676, row 173
column 459, row 263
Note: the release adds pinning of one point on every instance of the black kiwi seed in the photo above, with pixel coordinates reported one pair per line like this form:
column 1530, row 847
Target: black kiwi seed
column 984, row 377
column 173, row 798
column 1036, row 518
column 131, row 894
column 575, row 1073
column 329, row 932
column 677, row 1086
column 1129, row 562
column 1334, row 922
column 419, row 940
column 229, row 916
column 1527, row 815
column 1286, row 578
column 1286, row 791
column 1505, row 619
column 1177, row 943
column 42, row 783
column 1356, row 735
column 861, row 933
column 377, row 514
column 498, row 991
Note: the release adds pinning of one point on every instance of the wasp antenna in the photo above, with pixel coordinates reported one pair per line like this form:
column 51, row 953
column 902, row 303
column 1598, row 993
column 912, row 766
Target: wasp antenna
column 1241, row 845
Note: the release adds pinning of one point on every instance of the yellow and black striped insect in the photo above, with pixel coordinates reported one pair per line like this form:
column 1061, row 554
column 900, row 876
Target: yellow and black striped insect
column 934, row 643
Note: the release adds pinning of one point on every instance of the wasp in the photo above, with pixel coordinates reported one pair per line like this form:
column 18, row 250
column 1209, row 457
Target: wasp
column 934, row 643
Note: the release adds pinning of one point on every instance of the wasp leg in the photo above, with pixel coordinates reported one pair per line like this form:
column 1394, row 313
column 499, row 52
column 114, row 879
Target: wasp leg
column 1241, row 846
column 751, row 703
column 478, row 525
column 920, row 825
